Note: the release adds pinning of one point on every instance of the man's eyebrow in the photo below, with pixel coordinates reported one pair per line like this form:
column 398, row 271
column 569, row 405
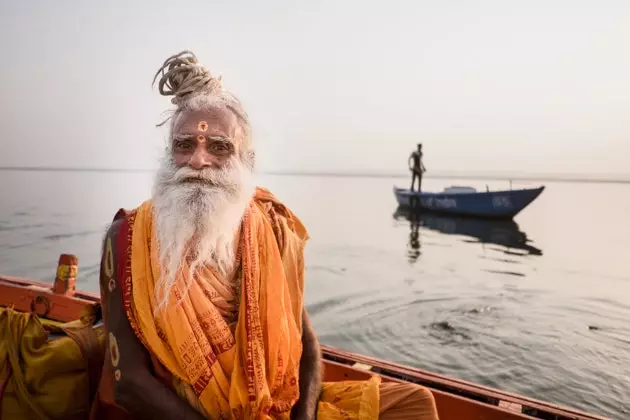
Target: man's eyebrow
column 215, row 138
column 220, row 139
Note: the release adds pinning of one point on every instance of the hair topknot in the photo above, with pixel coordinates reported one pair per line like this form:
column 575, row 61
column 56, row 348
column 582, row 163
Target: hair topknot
column 182, row 77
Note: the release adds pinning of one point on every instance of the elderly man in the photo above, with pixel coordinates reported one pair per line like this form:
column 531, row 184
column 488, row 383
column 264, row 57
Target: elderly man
column 202, row 287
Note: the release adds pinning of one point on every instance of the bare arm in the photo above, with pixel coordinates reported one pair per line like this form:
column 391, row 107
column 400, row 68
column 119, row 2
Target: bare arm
column 310, row 373
column 136, row 389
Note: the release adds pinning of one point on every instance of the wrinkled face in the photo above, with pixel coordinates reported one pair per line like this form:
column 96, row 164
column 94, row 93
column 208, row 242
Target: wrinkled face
column 201, row 192
column 206, row 139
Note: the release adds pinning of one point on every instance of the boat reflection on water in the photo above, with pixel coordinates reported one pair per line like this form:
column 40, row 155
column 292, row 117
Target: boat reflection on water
column 505, row 233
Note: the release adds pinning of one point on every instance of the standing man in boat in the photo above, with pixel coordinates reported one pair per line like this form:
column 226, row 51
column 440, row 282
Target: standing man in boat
column 416, row 167
column 202, row 287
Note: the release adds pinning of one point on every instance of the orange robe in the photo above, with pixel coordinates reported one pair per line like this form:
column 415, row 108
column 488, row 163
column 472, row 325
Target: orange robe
column 250, row 370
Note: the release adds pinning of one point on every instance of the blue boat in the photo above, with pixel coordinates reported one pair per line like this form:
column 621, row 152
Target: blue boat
column 466, row 201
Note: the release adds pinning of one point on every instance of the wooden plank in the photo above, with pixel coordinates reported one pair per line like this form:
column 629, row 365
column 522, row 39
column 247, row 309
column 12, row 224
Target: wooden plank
column 449, row 406
column 362, row 366
column 35, row 297
column 452, row 385
column 92, row 297
column 511, row 406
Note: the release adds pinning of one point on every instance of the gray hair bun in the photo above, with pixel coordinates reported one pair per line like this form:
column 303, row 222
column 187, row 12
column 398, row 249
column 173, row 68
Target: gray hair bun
column 182, row 77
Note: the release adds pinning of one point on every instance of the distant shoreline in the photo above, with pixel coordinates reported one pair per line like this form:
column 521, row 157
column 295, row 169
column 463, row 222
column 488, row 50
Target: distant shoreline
column 59, row 169
column 569, row 178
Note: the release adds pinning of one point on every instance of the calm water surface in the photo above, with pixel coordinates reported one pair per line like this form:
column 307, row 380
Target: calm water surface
column 508, row 305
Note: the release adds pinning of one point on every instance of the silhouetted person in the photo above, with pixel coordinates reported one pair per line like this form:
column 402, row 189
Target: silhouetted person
column 416, row 167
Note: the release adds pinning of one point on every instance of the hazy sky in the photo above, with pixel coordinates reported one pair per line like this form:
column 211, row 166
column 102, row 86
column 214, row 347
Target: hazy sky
column 537, row 86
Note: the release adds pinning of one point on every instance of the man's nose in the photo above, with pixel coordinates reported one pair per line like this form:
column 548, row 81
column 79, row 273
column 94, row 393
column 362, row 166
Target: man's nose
column 201, row 159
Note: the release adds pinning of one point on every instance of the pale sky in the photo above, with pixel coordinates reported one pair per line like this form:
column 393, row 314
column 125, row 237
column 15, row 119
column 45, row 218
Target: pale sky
column 537, row 86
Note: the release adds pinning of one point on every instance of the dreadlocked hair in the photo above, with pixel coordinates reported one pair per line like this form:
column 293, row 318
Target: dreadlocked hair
column 194, row 88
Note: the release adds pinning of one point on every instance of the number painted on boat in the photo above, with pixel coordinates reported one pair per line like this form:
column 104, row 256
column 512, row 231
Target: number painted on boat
column 501, row 201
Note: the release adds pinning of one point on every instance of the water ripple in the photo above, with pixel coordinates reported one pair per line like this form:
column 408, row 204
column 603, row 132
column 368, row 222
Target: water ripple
column 71, row 235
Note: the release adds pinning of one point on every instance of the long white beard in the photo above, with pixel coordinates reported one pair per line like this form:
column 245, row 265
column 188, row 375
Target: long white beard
column 197, row 222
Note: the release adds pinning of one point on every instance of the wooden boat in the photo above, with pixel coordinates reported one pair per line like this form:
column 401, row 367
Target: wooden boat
column 466, row 201
column 455, row 399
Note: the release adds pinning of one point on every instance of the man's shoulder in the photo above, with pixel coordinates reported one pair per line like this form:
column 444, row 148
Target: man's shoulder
column 276, row 210
column 121, row 216
column 268, row 201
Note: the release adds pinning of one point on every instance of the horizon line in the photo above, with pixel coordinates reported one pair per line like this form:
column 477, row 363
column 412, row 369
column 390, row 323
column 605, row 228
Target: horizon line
column 497, row 176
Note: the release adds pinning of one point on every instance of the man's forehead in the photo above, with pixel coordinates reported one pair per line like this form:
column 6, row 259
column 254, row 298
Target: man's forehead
column 214, row 119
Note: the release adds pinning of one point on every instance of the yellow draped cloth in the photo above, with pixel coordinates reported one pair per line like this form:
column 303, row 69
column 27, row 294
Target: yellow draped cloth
column 46, row 376
column 250, row 372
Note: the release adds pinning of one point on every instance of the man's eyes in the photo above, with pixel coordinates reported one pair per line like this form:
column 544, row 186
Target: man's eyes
column 221, row 147
column 215, row 147
column 182, row 145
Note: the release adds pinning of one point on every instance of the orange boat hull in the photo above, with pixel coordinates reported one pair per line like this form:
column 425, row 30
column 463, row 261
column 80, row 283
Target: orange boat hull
column 455, row 399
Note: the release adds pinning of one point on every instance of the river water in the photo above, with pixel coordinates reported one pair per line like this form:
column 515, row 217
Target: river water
column 539, row 307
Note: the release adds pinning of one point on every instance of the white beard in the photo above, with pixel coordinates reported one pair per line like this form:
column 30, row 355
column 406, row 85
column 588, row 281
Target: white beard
column 197, row 222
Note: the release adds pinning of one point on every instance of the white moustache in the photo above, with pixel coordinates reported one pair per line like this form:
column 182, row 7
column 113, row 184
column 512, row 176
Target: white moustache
column 221, row 177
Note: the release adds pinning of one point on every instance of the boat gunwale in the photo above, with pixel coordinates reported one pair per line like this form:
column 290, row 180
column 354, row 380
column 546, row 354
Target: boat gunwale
column 445, row 399
column 438, row 382
column 390, row 371
column 79, row 294
column 408, row 192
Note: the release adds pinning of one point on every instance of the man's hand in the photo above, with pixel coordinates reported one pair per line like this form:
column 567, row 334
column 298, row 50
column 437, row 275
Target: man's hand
column 310, row 373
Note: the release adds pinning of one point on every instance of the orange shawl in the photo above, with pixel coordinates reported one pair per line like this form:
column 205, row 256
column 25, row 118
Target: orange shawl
column 253, row 372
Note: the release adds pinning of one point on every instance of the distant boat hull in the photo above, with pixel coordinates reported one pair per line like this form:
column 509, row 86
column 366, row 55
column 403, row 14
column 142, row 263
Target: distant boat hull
column 489, row 204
